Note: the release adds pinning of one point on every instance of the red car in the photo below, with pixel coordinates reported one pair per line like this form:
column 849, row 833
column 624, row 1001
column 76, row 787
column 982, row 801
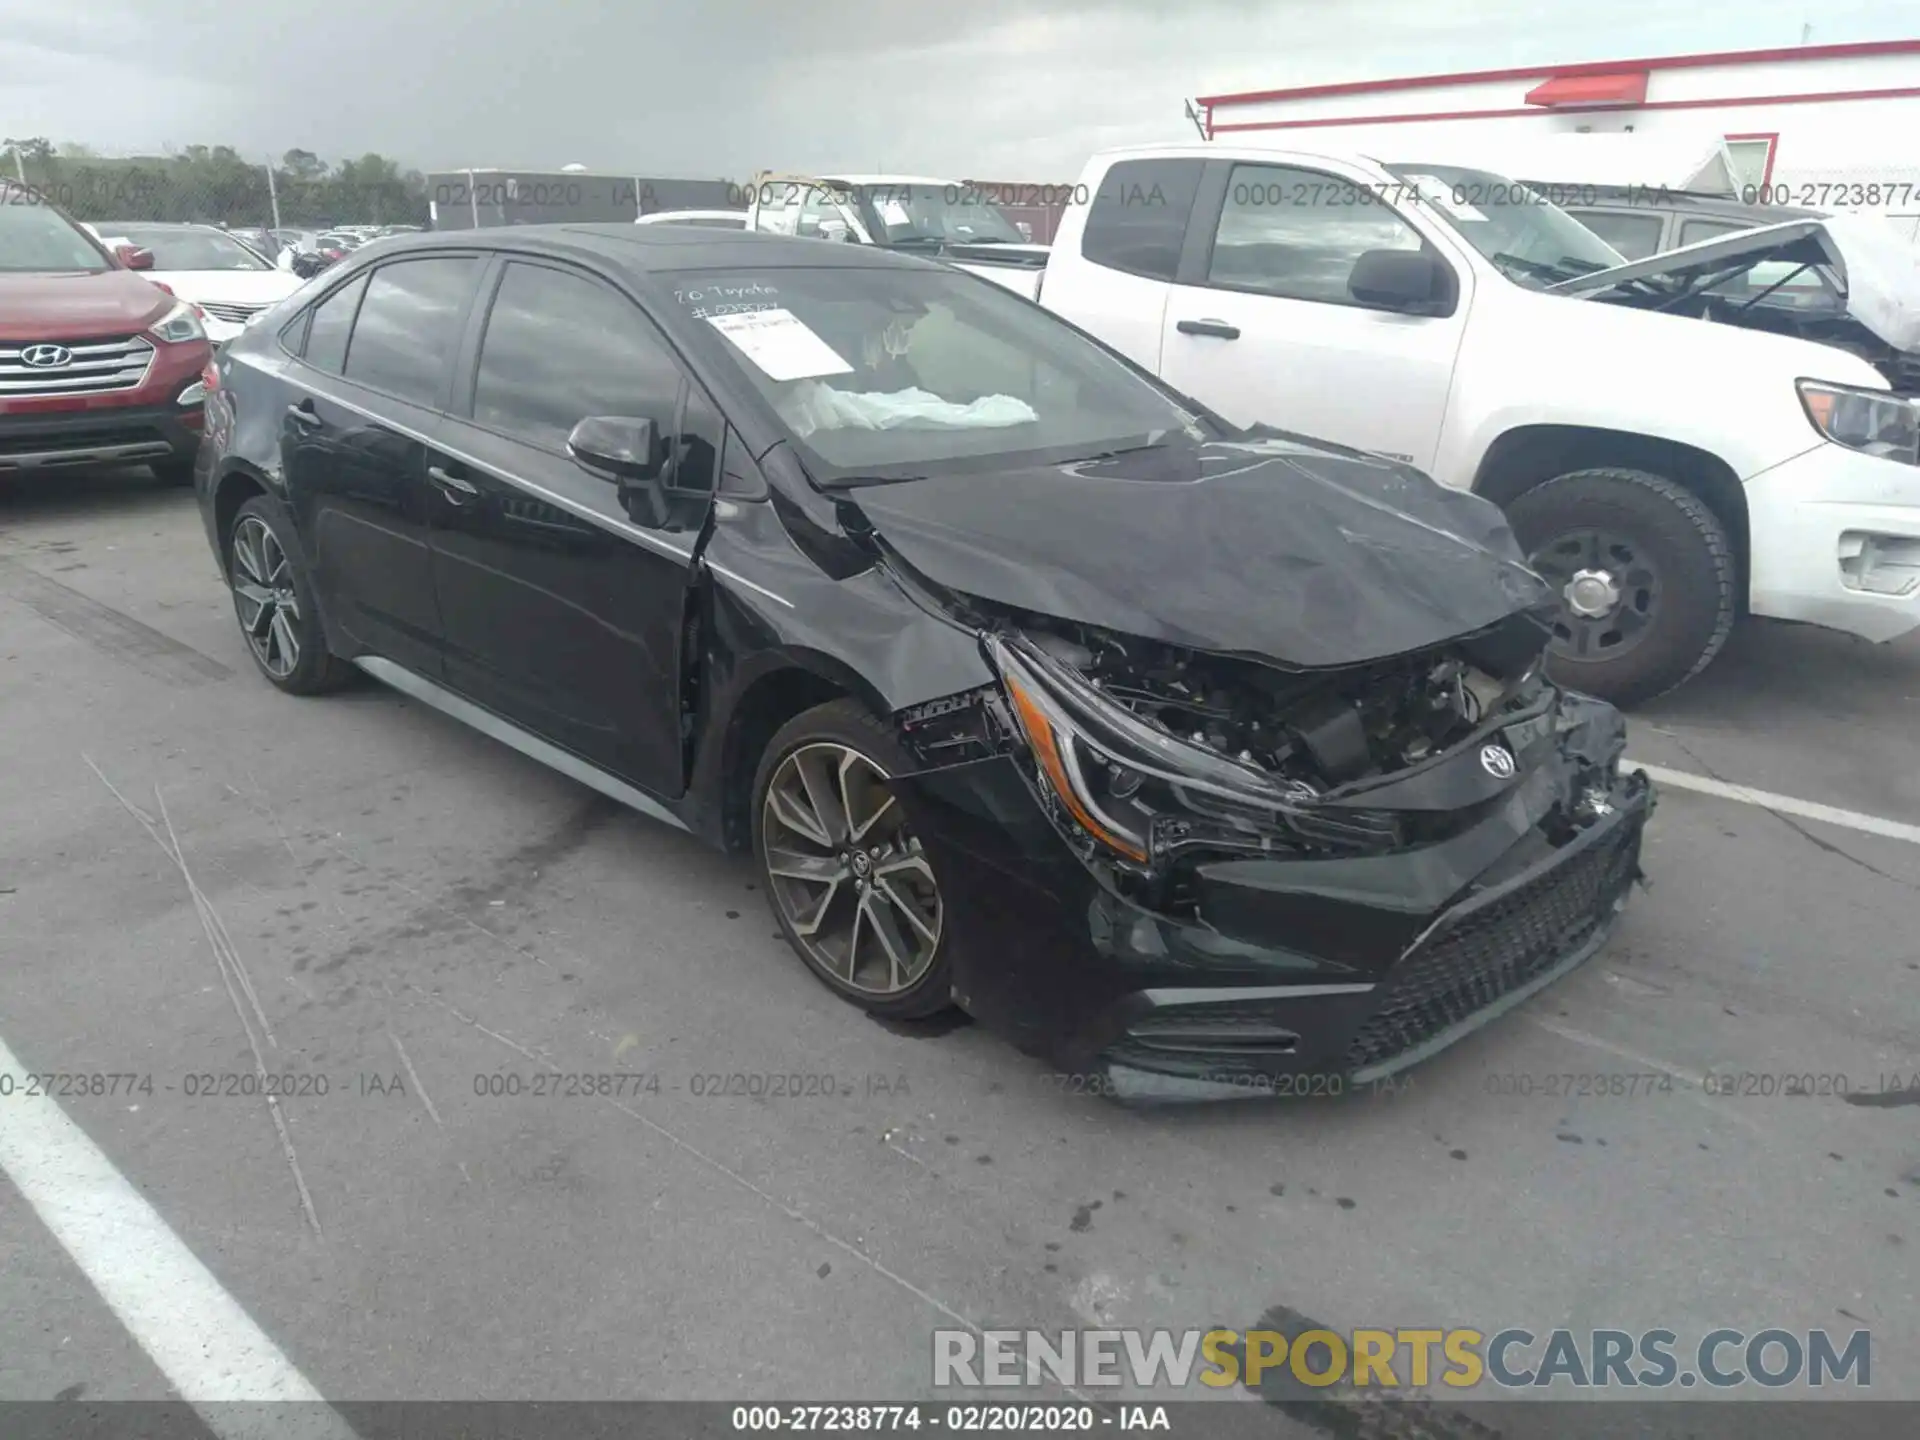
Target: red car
column 98, row 365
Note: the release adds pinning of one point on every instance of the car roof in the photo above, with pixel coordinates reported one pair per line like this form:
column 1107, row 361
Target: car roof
column 644, row 249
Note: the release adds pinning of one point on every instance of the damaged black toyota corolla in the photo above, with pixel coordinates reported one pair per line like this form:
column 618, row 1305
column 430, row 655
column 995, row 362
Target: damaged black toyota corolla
column 1196, row 758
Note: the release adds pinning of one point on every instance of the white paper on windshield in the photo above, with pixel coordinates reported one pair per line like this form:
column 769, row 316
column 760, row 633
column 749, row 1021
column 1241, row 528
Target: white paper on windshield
column 1438, row 193
column 780, row 343
column 894, row 213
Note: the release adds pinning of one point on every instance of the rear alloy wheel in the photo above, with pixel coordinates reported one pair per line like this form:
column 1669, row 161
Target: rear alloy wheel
column 848, row 879
column 1645, row 575
column 274, row 603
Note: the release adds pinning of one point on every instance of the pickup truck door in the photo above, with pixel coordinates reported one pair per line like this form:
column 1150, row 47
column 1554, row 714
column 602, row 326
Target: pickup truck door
column 1259, row 323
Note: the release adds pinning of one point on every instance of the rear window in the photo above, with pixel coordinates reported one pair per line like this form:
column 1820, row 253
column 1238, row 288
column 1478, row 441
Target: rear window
column 1138, row 221
column 37, row 239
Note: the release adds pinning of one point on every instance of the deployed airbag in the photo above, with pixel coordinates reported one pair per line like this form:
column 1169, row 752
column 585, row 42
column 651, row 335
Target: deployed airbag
column 815, row 406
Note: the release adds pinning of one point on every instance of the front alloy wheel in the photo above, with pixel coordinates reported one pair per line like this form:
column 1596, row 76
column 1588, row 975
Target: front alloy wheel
column 847, row 874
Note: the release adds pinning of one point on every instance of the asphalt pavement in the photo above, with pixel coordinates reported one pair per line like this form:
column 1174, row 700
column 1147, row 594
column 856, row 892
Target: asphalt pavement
column 201, row 878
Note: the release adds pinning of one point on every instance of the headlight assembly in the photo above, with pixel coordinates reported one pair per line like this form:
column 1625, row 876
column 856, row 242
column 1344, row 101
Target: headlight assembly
column 178, row 324
column 1119, row 778
column 1871, row 421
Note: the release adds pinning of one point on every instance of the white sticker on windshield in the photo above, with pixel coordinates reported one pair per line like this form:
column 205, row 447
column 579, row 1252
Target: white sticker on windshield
column 894, row 213
column 780, row 343
column 1438, row 193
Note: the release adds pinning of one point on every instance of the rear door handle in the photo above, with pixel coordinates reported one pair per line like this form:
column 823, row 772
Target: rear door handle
column 457, row 489
column 303, row 412
column 1219, row 329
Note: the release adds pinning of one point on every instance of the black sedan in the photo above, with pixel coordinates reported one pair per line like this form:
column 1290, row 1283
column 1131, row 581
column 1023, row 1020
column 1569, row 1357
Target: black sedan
column 1205, row 761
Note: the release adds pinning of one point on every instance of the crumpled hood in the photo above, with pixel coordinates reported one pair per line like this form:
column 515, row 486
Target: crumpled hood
column 1277, row 549
column 1879, row 267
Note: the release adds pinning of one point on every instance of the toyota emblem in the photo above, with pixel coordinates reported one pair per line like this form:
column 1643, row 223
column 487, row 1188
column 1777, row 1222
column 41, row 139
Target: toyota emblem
column 1497, row 761
column 46, row 357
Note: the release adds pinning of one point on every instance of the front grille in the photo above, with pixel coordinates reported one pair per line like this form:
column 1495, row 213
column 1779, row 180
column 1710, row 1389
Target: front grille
column 96, row 367
column 235, row 314
column 1489, row 948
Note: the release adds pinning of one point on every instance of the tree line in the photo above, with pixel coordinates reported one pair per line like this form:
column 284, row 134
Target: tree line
column 215, row 184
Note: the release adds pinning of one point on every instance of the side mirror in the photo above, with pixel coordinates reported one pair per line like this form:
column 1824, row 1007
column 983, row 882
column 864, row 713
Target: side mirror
column 133, row 257
column 618, row 446
column 1404, row 280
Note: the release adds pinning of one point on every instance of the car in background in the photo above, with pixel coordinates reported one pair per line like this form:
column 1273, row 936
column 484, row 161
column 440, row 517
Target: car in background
column 1713, row 433
column 1210, row 761
column 1639, row 222
column 257, row 239
column 98, row 366
column 706, row 219
column 227, row 281
column 958, row 222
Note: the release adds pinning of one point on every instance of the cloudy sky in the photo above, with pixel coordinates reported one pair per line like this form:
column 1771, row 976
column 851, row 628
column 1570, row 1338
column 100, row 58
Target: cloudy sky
column 725, row 87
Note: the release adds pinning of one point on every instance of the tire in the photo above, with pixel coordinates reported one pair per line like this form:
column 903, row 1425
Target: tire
column 866, row 908
column 1665, row 562
column 176, row 470
column 315, row 669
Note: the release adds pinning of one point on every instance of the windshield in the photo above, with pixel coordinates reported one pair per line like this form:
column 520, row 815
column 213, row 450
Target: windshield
column 36, row 238
column 895, row 374
column 949, row 214
column 192, row 249
column 1534, row 243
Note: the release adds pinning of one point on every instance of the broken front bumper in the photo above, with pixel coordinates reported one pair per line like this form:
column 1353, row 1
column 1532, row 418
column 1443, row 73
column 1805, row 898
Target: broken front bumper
column 1298, row 976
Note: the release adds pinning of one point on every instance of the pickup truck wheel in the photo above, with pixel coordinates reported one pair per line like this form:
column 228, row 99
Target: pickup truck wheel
column 1645, row 575
column 853, row 890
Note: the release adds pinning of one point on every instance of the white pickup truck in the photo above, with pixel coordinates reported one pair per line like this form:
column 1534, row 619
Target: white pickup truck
column 1723, row 429
column 953, row 220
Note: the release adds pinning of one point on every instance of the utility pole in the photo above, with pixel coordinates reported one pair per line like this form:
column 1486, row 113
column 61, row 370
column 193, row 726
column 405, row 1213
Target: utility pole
column 1806, row 32
column 19, row 166
column 273, row 194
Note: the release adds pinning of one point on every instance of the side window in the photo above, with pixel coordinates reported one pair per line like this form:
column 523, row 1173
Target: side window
column 1694, row 231
column 696, row 464
column 817, row 209
column 1634, row 236
column 329, row 326
column 1139, row 217
column 776, row 202
column 1299, row 233
column 559, row 347
column 409, row 326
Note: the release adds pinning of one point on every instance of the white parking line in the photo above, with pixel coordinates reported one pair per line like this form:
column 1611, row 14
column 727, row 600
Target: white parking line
column 1784, row 804
column 195, row 1332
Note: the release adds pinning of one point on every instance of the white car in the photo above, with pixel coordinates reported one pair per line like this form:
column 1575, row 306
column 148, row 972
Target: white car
column 955, row 221
column 228, row 282
column 709, row 219
column 1675, row 441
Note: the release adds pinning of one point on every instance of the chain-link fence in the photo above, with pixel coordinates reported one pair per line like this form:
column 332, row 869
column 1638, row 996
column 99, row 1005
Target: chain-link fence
column 218, row 185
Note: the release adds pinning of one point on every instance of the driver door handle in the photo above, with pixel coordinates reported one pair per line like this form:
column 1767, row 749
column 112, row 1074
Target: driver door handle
column 1219, row 329
column 457, row 489
column 303, row 413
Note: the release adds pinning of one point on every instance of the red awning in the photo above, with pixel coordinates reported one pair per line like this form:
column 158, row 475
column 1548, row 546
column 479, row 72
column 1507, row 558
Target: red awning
column 1628, row 87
